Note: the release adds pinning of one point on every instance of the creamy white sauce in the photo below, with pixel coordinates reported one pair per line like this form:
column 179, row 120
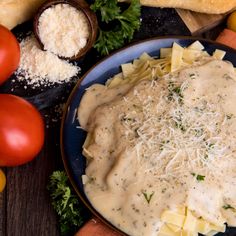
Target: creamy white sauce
column 95, row 96
column 162, row 144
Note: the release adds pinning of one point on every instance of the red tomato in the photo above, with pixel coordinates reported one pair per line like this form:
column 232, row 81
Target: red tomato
column 96, row 227
column 21, row 131
column 9, row 53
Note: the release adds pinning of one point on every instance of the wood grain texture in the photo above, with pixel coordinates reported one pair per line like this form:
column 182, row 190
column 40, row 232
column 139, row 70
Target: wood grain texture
column 2, row 213
column 198, row 23
column 28, row 204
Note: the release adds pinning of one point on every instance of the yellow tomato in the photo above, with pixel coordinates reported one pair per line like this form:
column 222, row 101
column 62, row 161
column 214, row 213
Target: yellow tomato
column 2, row 180
column 231, row 21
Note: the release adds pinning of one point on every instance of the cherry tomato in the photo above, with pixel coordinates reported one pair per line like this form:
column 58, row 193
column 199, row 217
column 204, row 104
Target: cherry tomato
column 2, row 180
column 231, row 21
column 96, row 227
column 21, row 131
column 9, row 53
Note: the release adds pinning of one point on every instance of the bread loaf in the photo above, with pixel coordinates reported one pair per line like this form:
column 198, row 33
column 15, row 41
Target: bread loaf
column 14, row 12
column 204, row 6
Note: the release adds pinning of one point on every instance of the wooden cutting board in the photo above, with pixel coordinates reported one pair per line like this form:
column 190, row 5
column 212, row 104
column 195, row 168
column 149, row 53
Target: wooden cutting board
column 198, row 23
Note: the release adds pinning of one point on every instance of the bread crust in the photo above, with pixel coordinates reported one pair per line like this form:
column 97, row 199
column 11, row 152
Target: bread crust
column 204, row 6
column 14, row 12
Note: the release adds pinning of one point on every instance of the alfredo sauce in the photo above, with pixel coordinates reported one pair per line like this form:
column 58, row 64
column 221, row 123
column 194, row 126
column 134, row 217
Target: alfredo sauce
column 160, row 144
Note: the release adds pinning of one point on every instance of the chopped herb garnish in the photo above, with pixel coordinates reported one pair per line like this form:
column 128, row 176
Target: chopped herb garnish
column 227, row 206
column 227, row 77
column 170, row 85
column 180, row 126
column 211, row 145
column 229, row 116
column 126, row 22
column 136, row 132
column 163, row 190
column 177, row 90
column 162, row 144
column 200, row 177
column 198, row 132
column 178, row 122
column 125, row 119
column 147, row 196
column 174, row 91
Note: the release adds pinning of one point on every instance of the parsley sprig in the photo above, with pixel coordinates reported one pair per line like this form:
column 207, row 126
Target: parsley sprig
column 69, row 209
column 127, row 22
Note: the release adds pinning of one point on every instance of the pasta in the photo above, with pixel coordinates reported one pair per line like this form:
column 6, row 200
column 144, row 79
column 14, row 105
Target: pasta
column 163, row 142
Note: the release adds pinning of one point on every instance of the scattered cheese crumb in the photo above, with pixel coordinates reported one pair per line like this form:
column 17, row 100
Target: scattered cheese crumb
column 63, row 30
column 40, row 67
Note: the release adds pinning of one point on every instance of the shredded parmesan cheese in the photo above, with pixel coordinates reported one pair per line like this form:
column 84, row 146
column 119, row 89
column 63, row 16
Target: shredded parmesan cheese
column 38, row 67
column 176, row 137
column 63, row 30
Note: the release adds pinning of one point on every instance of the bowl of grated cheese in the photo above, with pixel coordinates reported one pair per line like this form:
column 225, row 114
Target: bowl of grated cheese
column 66, row 28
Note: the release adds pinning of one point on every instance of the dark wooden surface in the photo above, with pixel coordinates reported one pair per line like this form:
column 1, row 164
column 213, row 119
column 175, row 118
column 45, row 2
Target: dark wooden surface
column 25, row 208
column 25, row 205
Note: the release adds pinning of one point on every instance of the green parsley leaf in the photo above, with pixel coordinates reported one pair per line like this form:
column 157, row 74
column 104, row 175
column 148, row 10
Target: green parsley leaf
column 107, row 8
column 126, row 23
column 192, row 76
column 147, row 196
column 200, row 177
column 72, row 214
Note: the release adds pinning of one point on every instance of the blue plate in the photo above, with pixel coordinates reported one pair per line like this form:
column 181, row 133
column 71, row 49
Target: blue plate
column 72, row 137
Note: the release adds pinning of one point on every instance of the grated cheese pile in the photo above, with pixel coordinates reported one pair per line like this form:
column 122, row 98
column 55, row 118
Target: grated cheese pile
column 178, row 138
column 38, row 67
column 63, row 30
